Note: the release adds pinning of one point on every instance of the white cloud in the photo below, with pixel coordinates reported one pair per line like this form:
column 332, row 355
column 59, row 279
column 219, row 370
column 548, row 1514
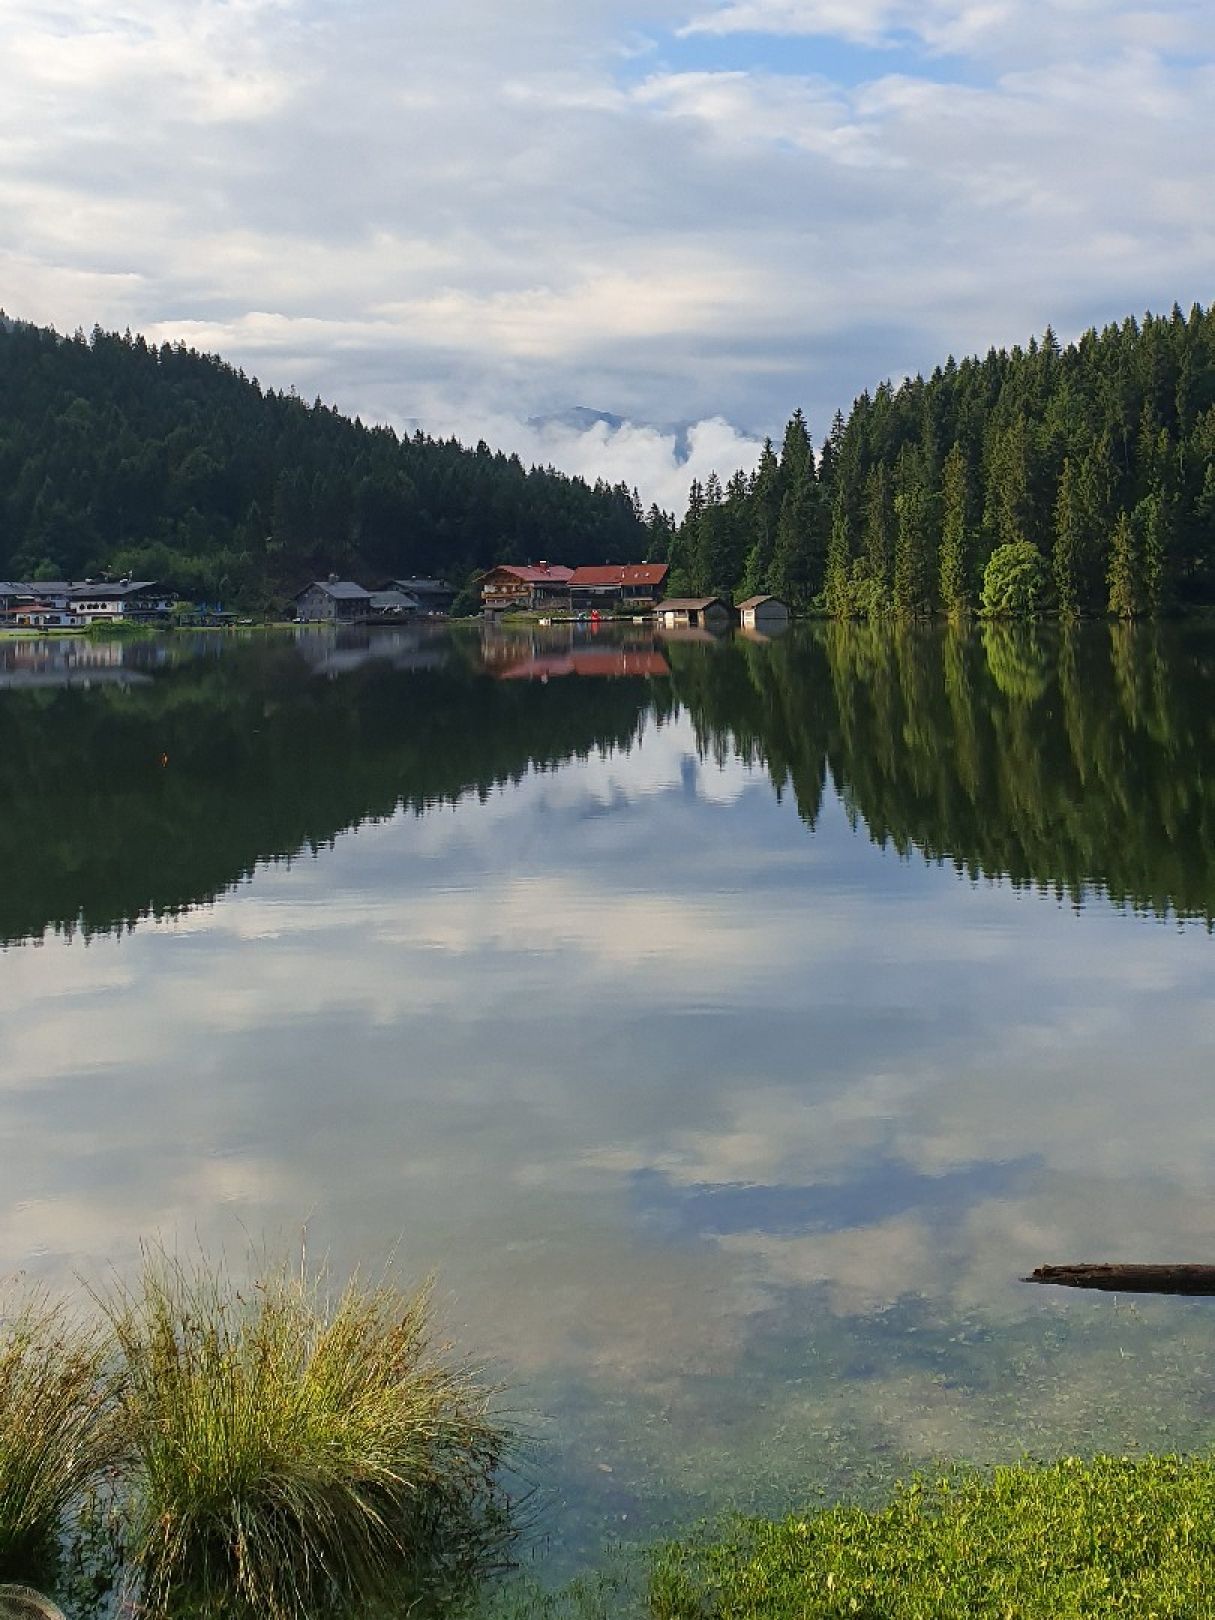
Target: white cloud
column 474, row 215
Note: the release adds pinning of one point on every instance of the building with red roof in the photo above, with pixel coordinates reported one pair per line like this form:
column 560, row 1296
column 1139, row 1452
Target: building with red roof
column 639, row 584
column 524, row 587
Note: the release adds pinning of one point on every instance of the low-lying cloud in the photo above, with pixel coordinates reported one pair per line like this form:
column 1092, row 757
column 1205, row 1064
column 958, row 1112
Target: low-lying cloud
column 704, row 211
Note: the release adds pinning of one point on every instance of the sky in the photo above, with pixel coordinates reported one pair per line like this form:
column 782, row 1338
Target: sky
column 482, row 215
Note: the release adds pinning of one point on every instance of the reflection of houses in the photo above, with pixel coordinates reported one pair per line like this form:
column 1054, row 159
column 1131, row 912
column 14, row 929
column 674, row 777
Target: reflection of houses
column 694, row 613
column 412, row 648
column 600, row 662
column 432, row 595
column 636, row 585
column 763, row 613
column 333, row 601
column 522, row 589
column 81, row 602
column 58, row 661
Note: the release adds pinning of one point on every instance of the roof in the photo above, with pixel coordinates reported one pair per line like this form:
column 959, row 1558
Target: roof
column 420, row 585
column 681, row 604
column 758, row 601
column 628, row 574
column 343, row 590
column 394, row 599
column 530, row 575
column 77, row 589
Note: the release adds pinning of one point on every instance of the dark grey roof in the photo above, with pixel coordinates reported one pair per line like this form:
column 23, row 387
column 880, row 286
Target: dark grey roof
column 342, row 590
column 394, row 599
column 77, row 589
column 421, row 585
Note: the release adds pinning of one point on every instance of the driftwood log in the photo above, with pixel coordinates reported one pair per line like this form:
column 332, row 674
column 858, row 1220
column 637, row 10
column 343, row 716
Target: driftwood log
column 1193, row 1280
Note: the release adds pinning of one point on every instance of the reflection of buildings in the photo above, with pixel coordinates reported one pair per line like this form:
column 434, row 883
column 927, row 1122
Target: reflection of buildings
column 70, row 661
column 546, row 653
column 600, row 661
column 408, row 649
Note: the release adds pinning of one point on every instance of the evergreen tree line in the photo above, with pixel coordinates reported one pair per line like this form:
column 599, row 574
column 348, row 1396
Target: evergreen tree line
column 120, row 456
column 1080, row 479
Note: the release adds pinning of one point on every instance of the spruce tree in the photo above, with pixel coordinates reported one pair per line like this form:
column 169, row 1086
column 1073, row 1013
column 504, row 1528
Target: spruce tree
column 957, row 539
column 913, row 544
column 1126, row 598
column 1067, row 554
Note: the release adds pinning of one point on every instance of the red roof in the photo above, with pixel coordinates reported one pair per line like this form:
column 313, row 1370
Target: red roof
column 588, row 661
column 551, row 575
column 629, row 574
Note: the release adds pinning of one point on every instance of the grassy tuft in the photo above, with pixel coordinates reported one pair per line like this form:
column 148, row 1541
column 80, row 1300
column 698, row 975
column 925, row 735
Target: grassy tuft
column 291, row 1450
column 54, row 1431
column 1069, row 1540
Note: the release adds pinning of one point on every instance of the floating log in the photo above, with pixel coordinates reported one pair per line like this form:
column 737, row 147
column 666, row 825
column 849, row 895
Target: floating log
column 1114, row 1279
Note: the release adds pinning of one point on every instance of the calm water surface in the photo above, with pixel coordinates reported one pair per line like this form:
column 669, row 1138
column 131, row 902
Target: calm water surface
column 730, row 1026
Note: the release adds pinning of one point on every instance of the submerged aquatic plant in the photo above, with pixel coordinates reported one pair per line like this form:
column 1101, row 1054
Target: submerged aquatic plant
column 1065, row 1541
column 54, row 1430
column 290, row 1449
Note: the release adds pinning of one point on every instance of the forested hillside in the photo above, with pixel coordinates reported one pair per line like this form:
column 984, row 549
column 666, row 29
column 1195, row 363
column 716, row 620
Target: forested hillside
column 118, row 455
column 1094, row 464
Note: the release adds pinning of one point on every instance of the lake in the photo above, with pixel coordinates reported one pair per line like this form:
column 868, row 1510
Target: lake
column 728, row 1026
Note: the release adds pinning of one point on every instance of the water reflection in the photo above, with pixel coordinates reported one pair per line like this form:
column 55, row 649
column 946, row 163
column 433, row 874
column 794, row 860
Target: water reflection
column 729, row 1128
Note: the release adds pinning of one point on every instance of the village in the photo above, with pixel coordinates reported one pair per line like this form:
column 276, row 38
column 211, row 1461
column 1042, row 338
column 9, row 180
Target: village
column 636, row 590
column 550, row 590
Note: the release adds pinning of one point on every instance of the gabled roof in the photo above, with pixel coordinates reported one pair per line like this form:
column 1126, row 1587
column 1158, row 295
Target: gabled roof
column 626, row 574
column 529, row 575
column 342, row 590
column 394, row 599
column 415, row 584
column 77, row 589
column 681, row 604
column 757, row 601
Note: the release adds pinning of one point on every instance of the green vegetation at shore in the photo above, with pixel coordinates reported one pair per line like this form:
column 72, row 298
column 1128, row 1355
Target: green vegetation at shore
column 1111, row 1536
column 246, row 1449
column 1069, row 1540
column 55, row 1430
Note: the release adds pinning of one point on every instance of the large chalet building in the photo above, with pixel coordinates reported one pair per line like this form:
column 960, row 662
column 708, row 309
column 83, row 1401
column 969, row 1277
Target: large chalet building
column 522, row 588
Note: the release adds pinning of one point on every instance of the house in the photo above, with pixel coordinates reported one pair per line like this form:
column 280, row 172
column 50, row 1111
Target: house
column 42, row 616
column 695, row 612
column 139, row 601
column 390, row 606
column 126, row 601
column 333, row 601
column 434, row 596
column 638, row 585
column 764, row 613
column 524, row 588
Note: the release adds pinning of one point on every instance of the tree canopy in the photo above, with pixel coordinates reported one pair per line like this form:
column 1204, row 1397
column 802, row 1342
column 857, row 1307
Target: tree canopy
column 118, row 455
column 1100, row 457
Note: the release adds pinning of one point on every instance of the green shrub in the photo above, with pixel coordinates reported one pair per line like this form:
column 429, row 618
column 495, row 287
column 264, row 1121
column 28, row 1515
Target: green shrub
column 1075, row 1539
column 54, row 1434
column 1014, row 582
column 286, row 1449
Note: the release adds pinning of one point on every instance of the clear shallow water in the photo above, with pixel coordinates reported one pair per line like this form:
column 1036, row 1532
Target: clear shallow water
column 730, row 1027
